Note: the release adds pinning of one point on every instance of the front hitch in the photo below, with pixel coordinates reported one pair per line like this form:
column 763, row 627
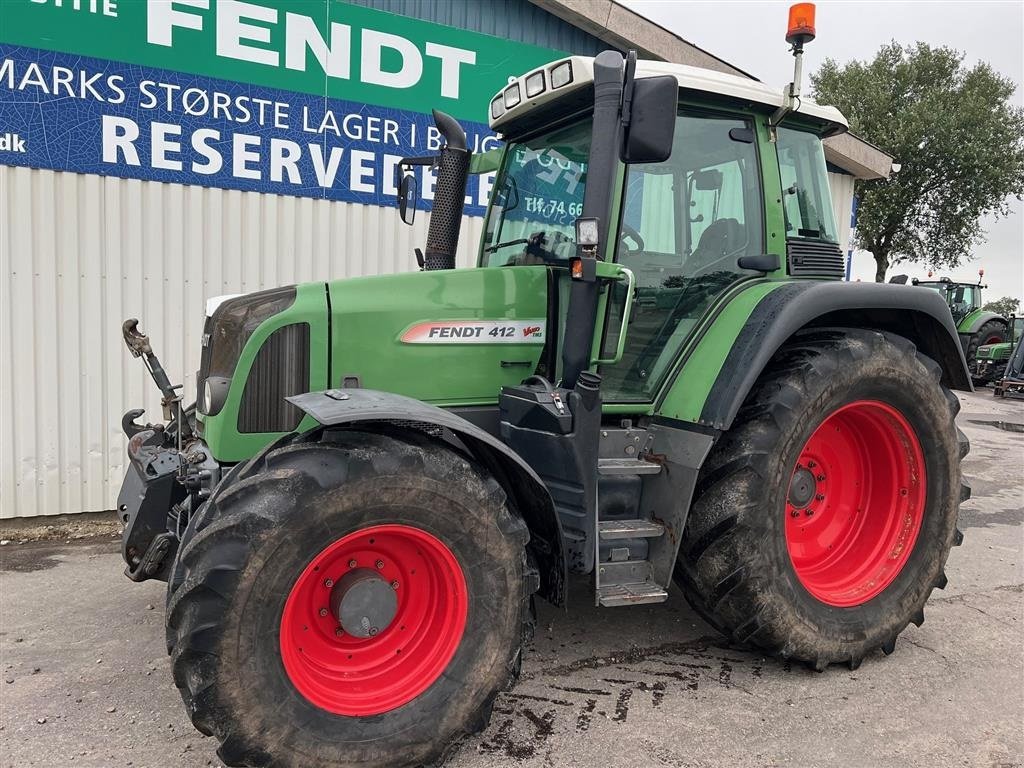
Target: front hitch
column 138, row 344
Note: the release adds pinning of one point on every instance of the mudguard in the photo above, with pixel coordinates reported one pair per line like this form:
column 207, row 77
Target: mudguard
column 970, row 324
column 335, row 407
column 919, row 314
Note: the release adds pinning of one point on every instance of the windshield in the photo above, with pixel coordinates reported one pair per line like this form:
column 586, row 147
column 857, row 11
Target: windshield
column 537, row 197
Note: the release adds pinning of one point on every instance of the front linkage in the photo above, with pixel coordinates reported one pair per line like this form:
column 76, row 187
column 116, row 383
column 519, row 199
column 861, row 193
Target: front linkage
column 170, row 473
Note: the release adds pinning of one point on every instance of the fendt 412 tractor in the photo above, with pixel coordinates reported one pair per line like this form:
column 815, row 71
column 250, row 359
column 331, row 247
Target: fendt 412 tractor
column 976, row 326
column 654, row 374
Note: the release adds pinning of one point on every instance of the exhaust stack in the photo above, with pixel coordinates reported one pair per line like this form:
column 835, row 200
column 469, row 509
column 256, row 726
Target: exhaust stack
column 449, row 195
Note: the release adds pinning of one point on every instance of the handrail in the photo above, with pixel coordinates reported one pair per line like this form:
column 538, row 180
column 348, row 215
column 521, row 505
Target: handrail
column 626, row 310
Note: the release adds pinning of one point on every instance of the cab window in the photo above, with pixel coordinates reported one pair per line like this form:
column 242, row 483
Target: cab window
column 805, row 193
column 685, row 222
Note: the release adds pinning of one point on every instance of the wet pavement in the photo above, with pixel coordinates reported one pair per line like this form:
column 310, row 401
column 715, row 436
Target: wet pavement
column 85, row 678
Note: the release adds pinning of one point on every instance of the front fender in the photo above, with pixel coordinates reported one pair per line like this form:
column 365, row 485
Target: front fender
column 526, row 491
column 919, row 314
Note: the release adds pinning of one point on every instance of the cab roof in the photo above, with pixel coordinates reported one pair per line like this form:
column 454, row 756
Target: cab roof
column 511, row 110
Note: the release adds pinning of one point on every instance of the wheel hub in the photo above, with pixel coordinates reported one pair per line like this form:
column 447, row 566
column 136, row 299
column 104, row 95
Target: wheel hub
column 856, row 503
column 373, row 620
column 364, row 603
column 802, row 487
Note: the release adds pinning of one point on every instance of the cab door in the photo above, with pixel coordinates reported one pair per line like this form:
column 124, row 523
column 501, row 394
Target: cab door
column 685, row 222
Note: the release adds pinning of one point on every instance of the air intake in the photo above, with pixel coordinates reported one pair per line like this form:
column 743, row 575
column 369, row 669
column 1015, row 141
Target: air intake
column 280, row 370
column 815, row 258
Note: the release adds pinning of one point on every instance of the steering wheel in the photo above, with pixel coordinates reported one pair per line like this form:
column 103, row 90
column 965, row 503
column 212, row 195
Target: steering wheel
column 627, row 232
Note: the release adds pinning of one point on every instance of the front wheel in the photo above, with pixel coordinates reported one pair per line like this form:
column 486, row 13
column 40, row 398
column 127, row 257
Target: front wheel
column 358, row 600
column 824, row 517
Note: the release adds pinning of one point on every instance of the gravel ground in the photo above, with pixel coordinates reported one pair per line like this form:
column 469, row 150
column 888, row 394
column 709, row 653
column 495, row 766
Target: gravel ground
column 86, row 679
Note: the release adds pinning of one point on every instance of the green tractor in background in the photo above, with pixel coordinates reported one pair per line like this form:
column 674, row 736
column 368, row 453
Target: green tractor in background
column 990, row 359
column 976, row 327
column 654, row 375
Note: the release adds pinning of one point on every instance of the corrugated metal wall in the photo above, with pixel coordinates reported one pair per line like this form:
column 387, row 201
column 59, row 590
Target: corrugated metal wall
column 79, row 253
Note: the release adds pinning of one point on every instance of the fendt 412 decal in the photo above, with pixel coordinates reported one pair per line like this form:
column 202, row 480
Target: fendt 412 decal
column 475, row 332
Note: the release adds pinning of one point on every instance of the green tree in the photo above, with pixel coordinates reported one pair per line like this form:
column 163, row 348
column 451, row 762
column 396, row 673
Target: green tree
column 1005, row 306
column 954, row 132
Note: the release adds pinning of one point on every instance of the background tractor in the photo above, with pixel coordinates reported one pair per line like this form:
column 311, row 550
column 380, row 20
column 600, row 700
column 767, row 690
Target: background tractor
column 654, row 375
column 990, row 360
column 976, row 327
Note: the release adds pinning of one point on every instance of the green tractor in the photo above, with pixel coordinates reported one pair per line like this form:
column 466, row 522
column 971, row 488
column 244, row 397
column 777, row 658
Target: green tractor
column 990, row 359
column 655, row 375
column 975, row 326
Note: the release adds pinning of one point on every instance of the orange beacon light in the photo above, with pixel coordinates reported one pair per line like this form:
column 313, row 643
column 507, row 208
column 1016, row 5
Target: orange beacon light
column 801, row 24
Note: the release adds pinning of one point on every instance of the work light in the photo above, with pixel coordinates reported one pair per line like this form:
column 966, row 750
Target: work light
column 512, row 96
column 497, row 107
column 561, row 74
column 534, row 84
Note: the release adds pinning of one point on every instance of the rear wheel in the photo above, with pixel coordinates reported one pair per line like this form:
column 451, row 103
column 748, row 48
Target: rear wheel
column 824, row 517
column 359, row 600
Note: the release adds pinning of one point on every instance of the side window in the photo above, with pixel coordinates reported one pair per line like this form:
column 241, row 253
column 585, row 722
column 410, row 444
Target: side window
column 805, row 194
column 685, row 222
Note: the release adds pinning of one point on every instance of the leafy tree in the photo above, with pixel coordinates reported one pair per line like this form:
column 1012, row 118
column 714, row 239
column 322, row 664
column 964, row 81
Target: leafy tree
column 955, row 133
column 1005, row 306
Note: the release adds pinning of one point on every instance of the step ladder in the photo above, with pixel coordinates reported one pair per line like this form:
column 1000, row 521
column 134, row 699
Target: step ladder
column 622, row 581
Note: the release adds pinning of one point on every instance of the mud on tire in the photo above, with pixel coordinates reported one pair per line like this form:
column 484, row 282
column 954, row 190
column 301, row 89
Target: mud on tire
column 734, row 565
column 244, row 550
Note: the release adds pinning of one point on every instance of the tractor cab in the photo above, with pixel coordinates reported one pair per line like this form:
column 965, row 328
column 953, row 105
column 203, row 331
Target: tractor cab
column 962, row 298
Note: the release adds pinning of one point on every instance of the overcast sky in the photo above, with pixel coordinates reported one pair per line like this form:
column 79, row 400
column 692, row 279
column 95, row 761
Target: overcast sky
column 751, row 36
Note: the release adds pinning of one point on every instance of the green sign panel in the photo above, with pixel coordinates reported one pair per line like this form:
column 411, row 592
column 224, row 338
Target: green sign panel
column 323, row 47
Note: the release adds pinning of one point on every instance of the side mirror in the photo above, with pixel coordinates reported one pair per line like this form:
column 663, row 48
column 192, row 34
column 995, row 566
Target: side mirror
column 652, row 124
column 408, row 195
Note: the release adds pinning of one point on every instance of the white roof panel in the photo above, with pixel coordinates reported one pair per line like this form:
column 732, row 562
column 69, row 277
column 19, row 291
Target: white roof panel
column 688, row 77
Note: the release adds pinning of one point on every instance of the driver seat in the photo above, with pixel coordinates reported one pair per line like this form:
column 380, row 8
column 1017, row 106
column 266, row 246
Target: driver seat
column 723, row 237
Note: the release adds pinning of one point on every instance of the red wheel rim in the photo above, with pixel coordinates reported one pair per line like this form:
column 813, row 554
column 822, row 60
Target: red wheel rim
column 362, row 676
column 994, row 340
column 856, row 502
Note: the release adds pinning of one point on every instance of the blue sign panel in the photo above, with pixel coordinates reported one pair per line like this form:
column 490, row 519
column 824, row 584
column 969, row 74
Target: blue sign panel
column 72, row 113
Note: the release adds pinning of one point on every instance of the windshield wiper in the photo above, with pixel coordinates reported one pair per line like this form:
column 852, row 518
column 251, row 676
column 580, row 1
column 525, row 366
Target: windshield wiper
column 499, row 246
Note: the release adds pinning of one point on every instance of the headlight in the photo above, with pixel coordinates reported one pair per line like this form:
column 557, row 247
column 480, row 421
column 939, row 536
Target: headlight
column 204, row 404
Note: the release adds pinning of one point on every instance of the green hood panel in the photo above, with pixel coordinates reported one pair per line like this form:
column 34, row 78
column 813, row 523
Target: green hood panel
column 448, row 337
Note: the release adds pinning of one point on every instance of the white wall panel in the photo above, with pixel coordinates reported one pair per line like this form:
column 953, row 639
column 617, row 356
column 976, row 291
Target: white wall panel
column 841, row 186
column 79, row 254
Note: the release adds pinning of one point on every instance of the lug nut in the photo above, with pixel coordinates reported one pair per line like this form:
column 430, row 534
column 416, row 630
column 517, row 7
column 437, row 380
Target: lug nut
column 809, row 512
column 323, row 611
column 373, row 631
column 821, row 478
column 380, row 564
column 819, row 497
column 903, row 491
column 795, row 513
column 352, row 563
column 339, row 632
column 812, row 464
column 328, row 583
column 394, row 585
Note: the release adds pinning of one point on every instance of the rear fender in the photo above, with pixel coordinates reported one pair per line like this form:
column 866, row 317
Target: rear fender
column 525, row 490
column 973, row 322
column 919, row 314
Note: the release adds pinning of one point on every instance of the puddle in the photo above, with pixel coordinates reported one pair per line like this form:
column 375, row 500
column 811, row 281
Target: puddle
column 1006, row 426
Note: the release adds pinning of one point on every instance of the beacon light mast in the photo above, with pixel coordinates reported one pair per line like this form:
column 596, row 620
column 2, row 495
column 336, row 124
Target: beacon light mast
column 799, row 31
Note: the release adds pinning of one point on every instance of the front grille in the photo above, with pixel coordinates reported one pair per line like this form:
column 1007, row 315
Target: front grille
column 280, row 370
column 815, row 258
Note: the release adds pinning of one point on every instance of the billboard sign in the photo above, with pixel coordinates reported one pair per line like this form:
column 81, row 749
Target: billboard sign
column 315, row 98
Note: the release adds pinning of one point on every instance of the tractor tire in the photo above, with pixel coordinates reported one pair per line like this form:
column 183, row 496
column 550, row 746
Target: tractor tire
column 284, row 575
column 992, row 332
column 824, row 517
